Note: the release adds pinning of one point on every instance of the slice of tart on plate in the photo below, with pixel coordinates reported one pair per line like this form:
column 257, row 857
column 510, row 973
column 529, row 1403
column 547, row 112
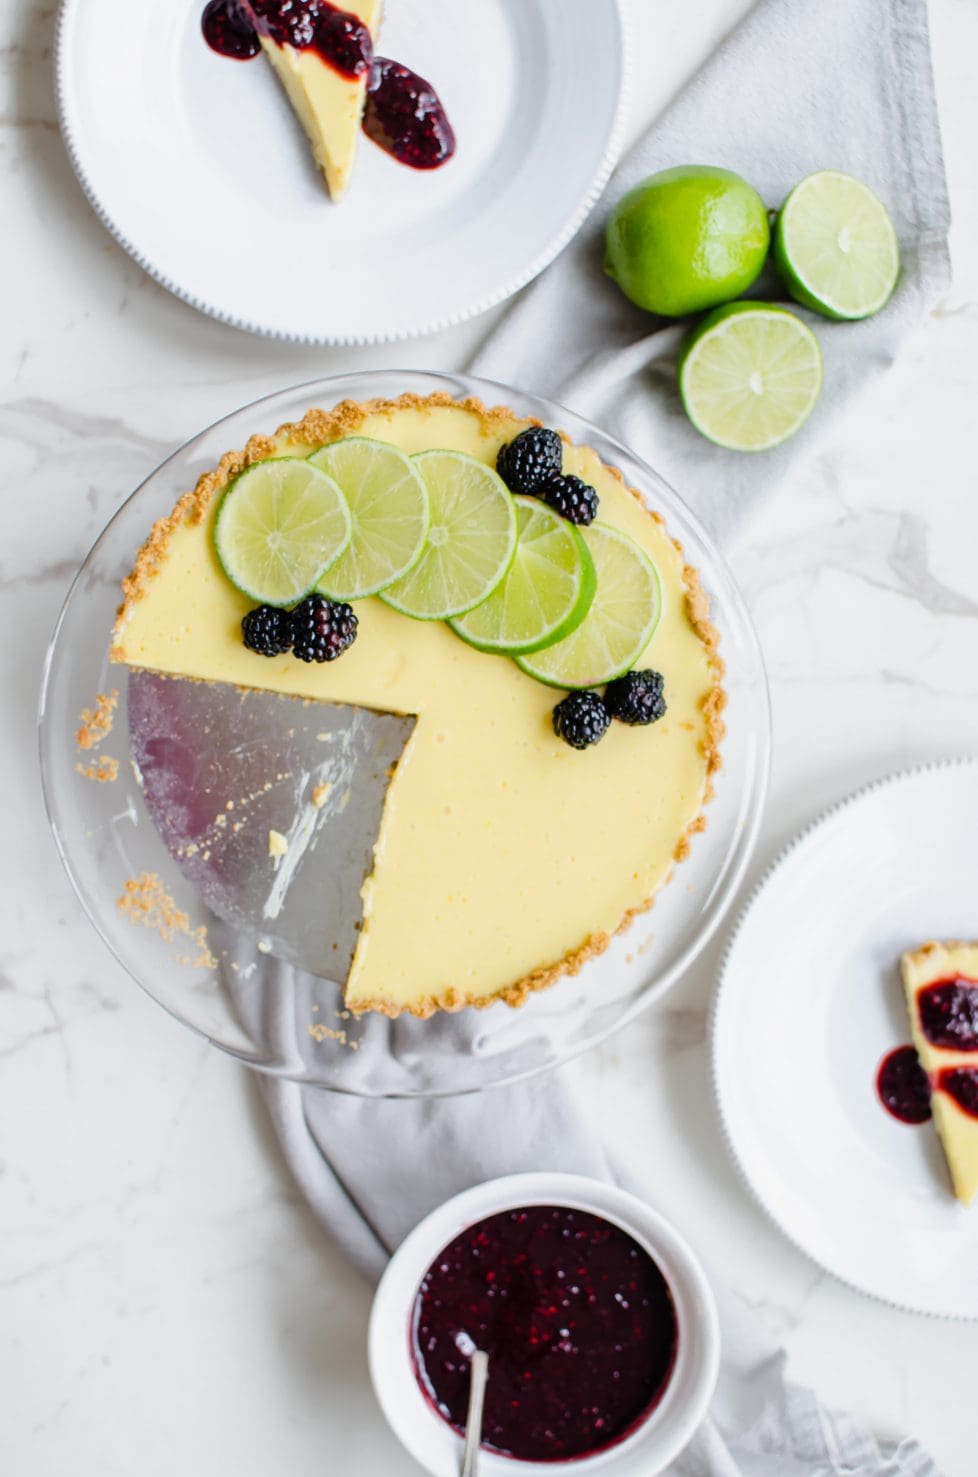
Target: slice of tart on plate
column 321, row 54
column 941, row 984
column 505, row 858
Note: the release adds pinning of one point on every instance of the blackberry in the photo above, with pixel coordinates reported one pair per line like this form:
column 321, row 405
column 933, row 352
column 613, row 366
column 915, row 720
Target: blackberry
column 636, row 697
column 571, row 498
column 530, row 459
column 322, row 629
column 581, row 719
column 267, row 630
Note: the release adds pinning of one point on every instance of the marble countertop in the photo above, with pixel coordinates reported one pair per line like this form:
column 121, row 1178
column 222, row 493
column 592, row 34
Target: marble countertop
column 167, row 1302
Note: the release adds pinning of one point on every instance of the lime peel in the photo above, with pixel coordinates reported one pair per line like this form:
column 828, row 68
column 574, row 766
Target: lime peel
column 749, row 375
column 388, row 505
column 619, row 625
column 546, row 593
column 278, row 528
column 835, row 246
column 471, row 539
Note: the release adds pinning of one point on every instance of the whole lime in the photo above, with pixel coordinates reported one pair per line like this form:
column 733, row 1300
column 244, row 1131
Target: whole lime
column 687, row 239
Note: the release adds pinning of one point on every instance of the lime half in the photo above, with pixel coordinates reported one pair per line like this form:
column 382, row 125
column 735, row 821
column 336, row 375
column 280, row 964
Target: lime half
column 280, row 525
column 750, row 375
column 471, row 538
column 389, row 507
column 546, row 593
column 618, row 627
column 835, row 246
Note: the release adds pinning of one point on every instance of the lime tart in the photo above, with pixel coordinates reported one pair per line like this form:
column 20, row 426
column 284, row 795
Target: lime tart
column 525, row 607
column 941, row 984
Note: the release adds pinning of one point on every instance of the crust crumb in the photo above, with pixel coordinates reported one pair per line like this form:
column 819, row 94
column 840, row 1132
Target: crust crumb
column 103, row 770
column 321, row 1033
column 145, row 900
column 96, row 721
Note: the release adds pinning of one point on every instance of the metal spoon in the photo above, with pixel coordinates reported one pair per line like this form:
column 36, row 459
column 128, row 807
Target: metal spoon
column 479, row 1375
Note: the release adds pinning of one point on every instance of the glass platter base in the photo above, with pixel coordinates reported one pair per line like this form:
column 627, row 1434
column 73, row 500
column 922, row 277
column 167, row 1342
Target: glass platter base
column 236, row 990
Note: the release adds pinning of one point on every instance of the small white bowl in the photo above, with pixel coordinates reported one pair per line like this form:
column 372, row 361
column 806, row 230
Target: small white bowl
column 670, row 1424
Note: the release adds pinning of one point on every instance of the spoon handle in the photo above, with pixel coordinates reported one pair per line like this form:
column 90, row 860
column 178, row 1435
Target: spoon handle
column 473, row 1420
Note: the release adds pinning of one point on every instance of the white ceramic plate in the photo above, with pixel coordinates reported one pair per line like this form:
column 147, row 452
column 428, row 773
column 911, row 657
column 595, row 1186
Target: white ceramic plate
column 810, row 1000
column 196, row 165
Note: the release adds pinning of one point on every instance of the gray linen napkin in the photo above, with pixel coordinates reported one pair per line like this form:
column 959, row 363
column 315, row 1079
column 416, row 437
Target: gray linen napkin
column 798, row 86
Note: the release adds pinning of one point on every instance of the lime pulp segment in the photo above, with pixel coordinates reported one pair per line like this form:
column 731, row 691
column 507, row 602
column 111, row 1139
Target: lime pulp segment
column 280, row 525
column 750, row 376
column 836, row 247
column 546, row 592
column 471, row 538
column 619, row 625
column 388, row 506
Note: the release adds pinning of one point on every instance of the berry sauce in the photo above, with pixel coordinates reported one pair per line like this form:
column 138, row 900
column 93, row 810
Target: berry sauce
column 227, row 32
column 576, row 1318
column 961, row 1084
column 903, row 1087
column 949, row 1013
column 404, row 114
column 339, row 37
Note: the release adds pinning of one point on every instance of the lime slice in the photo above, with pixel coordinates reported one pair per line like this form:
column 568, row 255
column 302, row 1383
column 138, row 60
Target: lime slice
column 618, row 627
column 545, row 595
column 835, row 246
column 750, row 375
column 471, row 538
column 279, row 527
column 389, row 507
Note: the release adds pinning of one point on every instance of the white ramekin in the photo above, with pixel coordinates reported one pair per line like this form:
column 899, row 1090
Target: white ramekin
column 667, row 1428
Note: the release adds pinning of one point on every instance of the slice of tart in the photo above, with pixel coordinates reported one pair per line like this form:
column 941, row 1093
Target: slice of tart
column 504, row 858
column 941, row 983
column 322, row 55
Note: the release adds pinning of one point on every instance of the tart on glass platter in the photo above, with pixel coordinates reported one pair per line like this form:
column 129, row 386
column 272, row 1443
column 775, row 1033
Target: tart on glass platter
column 506, row 843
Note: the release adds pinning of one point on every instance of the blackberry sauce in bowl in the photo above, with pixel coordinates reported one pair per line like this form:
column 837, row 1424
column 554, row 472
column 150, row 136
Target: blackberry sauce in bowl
column 576, row 1317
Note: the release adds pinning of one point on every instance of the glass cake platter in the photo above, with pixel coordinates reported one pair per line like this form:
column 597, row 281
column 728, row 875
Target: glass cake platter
column 223, row 952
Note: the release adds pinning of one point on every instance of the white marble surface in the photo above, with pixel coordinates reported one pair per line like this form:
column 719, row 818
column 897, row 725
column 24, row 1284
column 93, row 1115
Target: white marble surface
column 166, row 1302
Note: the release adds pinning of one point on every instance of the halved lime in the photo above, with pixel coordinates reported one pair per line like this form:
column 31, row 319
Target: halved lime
column 835, row 246
column 389, row 507
column 280, row 525
column 471, row 538
column 546, row 593
column 749, row 375
column 618, row 627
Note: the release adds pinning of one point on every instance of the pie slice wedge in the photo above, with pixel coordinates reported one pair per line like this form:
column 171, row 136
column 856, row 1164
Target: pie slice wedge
column 941, row 983
column 321, row 55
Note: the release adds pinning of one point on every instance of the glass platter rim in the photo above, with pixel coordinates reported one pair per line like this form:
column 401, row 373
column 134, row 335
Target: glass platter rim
column 367, row 384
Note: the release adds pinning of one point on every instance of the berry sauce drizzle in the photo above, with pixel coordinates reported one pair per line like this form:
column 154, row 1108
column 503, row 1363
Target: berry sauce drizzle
column 949, row 1013
column 576, row 1318
column 902, row 1085
column 961, row 1084
column 227, row 32
column 404, row 114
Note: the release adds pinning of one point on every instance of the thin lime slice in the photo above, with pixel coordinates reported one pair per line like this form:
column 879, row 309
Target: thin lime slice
column 279, row 527
column 389, row 507
column 618, row 627
column 750, row 375
column 835, row 246
column 546, row 593
column 471, row 539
